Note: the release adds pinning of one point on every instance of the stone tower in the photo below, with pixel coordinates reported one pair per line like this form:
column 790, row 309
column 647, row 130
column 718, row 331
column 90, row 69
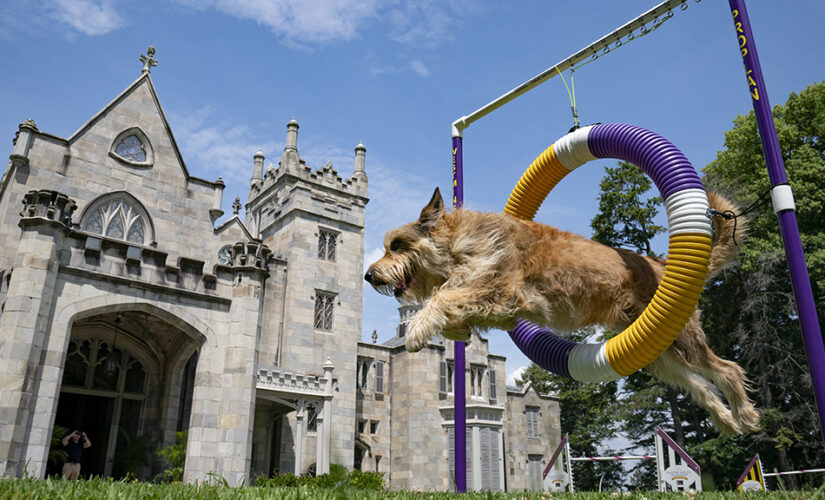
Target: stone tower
column 314, row 221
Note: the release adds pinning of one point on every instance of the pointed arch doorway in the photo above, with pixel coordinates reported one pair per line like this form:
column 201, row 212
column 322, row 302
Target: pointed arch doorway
column 127, row 382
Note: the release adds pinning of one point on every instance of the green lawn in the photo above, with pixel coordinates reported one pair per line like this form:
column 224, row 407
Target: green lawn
column 105, row 489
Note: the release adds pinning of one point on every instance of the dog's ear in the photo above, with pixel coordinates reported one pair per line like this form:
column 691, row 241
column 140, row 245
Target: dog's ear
column 433, row 211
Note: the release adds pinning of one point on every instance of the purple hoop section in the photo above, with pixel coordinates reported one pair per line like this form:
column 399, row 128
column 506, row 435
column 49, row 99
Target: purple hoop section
column 669, row 169
column 542, row 347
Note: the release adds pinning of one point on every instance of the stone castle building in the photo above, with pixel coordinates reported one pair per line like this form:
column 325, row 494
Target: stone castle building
column 130, row 305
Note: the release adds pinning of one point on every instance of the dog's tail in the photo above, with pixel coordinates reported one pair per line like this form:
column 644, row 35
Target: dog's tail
column 728, row 233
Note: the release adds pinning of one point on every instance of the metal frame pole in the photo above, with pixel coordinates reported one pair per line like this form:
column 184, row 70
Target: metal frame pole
column 459, row 393
column 783, row 206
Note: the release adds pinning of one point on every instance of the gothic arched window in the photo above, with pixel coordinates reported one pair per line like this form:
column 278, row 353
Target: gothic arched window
column 118, row 216
column 133, row 148
column 96, row 364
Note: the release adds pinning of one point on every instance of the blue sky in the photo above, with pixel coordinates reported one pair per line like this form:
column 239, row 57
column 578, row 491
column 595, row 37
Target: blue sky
column 395, row 74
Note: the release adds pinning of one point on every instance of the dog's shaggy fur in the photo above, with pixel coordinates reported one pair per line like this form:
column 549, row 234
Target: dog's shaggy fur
column 485, row 270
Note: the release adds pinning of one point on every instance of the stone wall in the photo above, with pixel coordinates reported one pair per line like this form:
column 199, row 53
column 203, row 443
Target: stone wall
column 518, row 401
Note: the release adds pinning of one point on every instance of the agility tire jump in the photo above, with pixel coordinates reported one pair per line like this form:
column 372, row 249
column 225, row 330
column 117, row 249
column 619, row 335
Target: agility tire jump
column 690, row 234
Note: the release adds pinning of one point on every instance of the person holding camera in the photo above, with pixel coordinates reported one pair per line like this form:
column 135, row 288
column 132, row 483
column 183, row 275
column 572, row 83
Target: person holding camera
column 75, row 443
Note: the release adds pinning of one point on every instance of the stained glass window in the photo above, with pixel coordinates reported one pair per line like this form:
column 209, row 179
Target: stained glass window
column 118, row 218
column 115, row 229
column 94, row 224
column 136, row 232
column 131, row 148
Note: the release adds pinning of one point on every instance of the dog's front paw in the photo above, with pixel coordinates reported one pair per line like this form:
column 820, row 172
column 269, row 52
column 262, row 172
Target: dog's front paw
column 417, row 336
column 414, row 345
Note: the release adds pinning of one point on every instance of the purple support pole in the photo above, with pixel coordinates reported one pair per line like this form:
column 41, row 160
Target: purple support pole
column 788, row 227
column 459, row 398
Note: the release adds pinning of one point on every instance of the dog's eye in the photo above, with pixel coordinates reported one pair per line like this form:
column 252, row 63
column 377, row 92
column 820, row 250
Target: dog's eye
column 395, row 245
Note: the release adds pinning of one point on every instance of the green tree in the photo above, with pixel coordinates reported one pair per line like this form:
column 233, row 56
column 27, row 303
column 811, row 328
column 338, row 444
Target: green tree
column 626, row 211
column 749, row 313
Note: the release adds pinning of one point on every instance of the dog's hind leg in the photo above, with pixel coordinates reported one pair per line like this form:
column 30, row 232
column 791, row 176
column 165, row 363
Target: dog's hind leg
column 728, row 376
column 731, row 380
column 673, row 371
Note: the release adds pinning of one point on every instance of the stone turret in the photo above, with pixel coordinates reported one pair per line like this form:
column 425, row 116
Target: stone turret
column 290, row 158
column 23, row 141
column 257, row 174
column 358, row 181
column 217, row 200
column 360, row 161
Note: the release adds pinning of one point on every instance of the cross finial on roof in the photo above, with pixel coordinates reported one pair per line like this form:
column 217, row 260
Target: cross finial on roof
column 236, row 206
column 148, row 60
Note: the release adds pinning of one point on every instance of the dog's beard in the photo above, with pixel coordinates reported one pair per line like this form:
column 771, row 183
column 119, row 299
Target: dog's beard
column 396, row 282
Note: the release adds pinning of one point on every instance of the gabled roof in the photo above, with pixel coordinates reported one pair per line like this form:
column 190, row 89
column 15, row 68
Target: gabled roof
column 523, row 390
column 231, row 221
column 143, row 78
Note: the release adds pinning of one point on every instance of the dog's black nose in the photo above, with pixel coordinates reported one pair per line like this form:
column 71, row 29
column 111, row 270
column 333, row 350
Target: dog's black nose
column 368, row 277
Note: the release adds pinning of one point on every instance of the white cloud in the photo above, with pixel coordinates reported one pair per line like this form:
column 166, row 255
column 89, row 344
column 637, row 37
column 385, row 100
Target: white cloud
column 425, row 23
column 421, row 24
column 420, row 68
column 298, row 22
column 376, row 67
column 211, row 148
column 515, row 374
column 90, row 17
column 411, row 23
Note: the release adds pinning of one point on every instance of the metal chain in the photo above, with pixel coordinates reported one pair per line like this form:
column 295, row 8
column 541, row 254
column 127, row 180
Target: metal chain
column 644, row 30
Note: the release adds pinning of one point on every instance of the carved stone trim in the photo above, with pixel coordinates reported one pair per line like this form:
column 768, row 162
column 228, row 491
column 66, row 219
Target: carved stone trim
column 50, row 205
column 298, row 383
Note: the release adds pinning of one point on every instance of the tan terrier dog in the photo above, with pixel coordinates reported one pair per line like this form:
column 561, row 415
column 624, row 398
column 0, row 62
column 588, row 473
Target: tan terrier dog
column 485, row 270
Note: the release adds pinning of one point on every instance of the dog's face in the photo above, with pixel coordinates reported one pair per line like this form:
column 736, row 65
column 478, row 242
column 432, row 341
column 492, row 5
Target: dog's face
column 413, row 264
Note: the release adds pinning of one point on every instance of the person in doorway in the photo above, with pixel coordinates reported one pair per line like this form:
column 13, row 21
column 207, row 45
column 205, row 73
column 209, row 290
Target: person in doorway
column 75, row 443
